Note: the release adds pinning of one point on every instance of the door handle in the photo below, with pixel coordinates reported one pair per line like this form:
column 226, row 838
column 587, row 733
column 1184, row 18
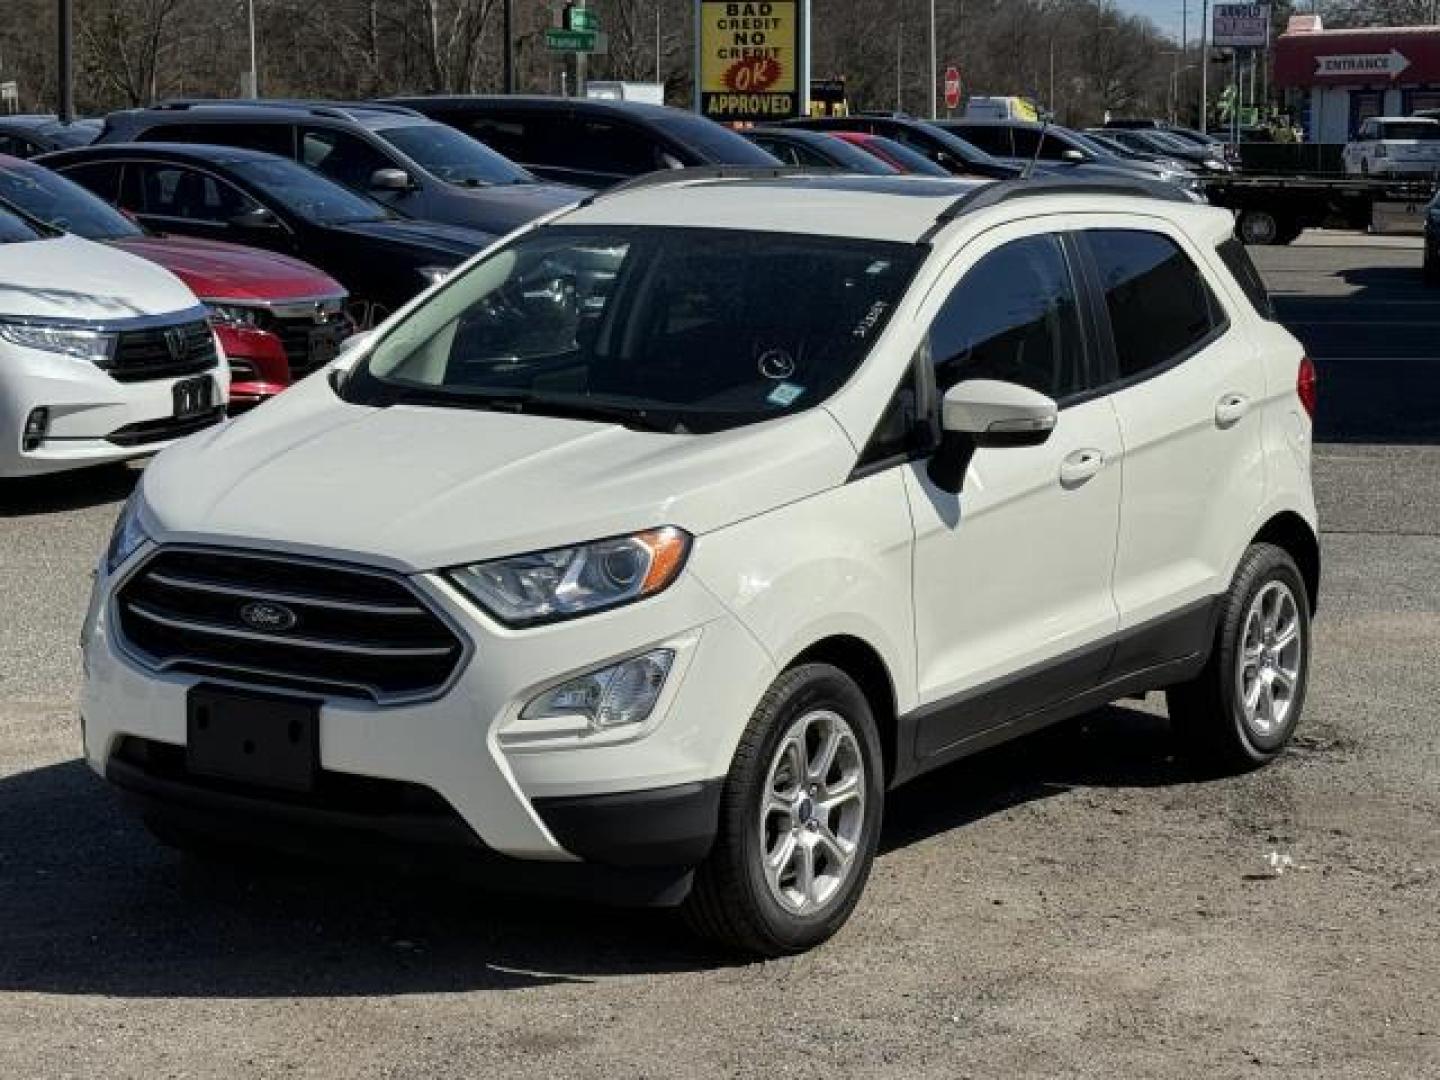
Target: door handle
column 1080, row 466
column 1231, row 409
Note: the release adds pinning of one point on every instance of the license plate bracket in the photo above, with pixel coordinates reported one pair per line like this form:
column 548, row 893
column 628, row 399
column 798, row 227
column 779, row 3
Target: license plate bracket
column 253, row 738
column 193, row 397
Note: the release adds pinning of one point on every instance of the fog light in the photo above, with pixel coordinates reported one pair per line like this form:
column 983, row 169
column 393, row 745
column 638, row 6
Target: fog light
column 622, row 694
column 37, row 426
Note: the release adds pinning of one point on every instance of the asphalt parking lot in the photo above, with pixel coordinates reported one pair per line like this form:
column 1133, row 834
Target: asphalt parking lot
column 1076, row 905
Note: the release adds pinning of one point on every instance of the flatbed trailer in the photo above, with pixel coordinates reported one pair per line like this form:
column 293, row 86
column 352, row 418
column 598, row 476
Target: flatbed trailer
column 1277, row 209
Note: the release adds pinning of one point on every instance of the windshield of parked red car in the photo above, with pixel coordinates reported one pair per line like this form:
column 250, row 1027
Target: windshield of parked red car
column 63, row 203
column 683, row 330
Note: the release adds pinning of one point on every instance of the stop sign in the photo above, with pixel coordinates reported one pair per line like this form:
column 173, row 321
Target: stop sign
column 952, row 88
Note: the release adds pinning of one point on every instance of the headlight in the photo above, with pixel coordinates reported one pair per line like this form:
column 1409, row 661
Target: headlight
column 624, row 693
column 93, row 345
column 127, row 537
column 1216, row 166
column 233, row 315
column 565, row 582
column 433, row 275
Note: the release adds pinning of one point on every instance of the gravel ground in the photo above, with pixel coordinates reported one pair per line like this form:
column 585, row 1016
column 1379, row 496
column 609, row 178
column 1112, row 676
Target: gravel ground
column 1074, row 905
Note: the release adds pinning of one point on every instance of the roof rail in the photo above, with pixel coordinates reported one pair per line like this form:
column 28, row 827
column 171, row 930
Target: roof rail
column 663, row 177
column 335, row 109
column 1004, row 191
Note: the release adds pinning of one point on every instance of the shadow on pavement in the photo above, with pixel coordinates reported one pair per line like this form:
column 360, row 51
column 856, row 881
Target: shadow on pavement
column 66, row 491
column 90, row 904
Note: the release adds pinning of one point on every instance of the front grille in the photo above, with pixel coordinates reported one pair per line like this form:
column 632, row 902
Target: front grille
column 309, row 346
column 311, row 625
column 162, row 352
column 164, row 429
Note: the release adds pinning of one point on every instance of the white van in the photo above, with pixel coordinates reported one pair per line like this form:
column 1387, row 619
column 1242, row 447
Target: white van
column 1001, row 108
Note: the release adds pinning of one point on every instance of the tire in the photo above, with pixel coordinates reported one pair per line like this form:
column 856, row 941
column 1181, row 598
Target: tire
column 1290, row 231
column 735, row 902
column 1209, row 714
column 1258, row 227
column 1430, row 269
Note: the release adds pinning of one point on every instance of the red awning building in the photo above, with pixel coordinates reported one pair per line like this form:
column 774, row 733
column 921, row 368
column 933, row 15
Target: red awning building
column 1334, row 79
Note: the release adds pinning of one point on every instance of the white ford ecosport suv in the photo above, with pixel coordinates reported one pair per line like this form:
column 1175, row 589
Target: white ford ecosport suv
column 646, row 553
column 104, row 356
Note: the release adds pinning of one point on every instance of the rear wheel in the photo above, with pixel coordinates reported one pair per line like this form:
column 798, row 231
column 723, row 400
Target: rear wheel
column 1258, row 226
column 1244, row 706
column 799, row 819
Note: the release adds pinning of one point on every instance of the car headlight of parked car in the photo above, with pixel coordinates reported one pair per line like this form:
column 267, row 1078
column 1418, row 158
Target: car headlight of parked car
column 97, row 346
column 128, row 537
column 562, row 583
column 233, row 315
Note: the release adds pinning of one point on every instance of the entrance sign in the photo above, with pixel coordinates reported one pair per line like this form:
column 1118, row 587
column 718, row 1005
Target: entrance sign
column 1388, row 64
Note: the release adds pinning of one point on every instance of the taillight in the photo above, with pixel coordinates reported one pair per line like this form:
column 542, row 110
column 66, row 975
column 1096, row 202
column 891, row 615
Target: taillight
column 1305, row 387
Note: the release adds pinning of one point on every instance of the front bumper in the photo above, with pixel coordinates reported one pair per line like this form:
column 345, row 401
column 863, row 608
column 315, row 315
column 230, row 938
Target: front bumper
column 633, row 799
column 93, row 419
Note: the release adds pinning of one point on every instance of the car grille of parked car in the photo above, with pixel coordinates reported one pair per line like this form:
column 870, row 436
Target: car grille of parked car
column 162, row 352
column 310, row 333
column 295, row 624
column 164, row 429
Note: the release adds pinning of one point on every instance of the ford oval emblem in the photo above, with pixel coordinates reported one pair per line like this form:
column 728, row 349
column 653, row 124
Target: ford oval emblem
column 263, row 615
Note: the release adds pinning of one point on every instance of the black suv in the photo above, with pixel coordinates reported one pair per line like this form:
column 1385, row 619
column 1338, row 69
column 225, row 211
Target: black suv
column 265, row 201
column 422, row 169
column 25, row 135
column 950, row 152
column 587, row 141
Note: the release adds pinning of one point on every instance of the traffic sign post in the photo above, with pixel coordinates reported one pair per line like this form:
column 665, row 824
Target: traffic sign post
column 952, row 88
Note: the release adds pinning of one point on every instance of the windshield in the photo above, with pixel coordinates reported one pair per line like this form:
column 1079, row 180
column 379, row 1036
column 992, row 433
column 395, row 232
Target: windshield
column 963, row 149
column 453, row 157
column 713, row 142
column 1165, row 141
column 62, row 203
column 912, row 161
column 308, row 194
column 1423, row 132
column 668, row 329
column 1088, row 142
column 15, row 230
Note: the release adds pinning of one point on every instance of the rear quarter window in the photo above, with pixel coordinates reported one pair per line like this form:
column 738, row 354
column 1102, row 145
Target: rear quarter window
column 1237, row 260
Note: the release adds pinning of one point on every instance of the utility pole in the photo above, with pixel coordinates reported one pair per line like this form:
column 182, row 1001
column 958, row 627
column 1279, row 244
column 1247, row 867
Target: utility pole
column 899, row 59
column 509, row 30
column 252, row 88
column 1204, row 124
column 934, row 68
column 66, row 68
column 1184, row 52
column 658, row 79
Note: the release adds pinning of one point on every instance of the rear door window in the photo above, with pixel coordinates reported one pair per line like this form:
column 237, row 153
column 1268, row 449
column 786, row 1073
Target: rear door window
column 1160, row 308
column 101, row 178
column 177, row 192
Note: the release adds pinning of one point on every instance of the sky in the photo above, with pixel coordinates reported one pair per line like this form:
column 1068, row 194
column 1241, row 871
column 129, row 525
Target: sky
column 1165, row 13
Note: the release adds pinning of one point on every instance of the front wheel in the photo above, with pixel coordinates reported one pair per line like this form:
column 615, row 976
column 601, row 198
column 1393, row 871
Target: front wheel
column 799, row 819
column 1258, row 227
column 1244, row 706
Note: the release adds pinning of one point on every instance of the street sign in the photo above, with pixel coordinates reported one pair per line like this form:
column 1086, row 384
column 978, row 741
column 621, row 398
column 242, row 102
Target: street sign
column 952, row 88
column 751, row 59
column 1388, row 64
column 1241, row 26
column 579, row 18
column 576, row 41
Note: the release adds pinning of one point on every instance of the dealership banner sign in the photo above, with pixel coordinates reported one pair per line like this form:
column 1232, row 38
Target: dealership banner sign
column 750, row 57
column 1241, row 26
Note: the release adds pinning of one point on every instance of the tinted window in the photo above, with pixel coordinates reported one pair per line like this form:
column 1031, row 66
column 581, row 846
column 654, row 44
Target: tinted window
column 16, row 146
column 993, row 140
column 1014, row 317
column 344, row 158
column 1237, row 261
column 446, row 153
column 101, row 177
column 520, row 137
column 1412, row 130
column 307, row 194
column 711, row 142
column 62, row 203
column 271, row 138
column 1160, row 306
column 680, row 329
column 178, row 192
column 14, row 231
column 902, row 157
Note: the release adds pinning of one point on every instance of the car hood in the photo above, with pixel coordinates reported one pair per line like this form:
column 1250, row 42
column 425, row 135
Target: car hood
column 509, row 206
column 70, row 278
column 216, row 271
column 419, row 488
column 449, row 243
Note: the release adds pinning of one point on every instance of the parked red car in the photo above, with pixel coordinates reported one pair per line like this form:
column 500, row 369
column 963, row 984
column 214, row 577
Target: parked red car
column 897, row 155
column 277, row 318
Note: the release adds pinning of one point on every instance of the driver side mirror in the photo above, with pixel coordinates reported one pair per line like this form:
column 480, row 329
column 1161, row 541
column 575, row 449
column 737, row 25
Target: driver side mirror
column 391, row 180
column 257, row 218
column 1073, row 156
column 987, row 413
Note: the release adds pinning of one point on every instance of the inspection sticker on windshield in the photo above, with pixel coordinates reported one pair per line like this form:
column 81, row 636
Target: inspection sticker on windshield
column 787, row 393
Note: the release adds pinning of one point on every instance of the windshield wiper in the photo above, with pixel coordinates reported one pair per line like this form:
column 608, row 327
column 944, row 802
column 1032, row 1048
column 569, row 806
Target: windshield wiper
column 632, row 417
